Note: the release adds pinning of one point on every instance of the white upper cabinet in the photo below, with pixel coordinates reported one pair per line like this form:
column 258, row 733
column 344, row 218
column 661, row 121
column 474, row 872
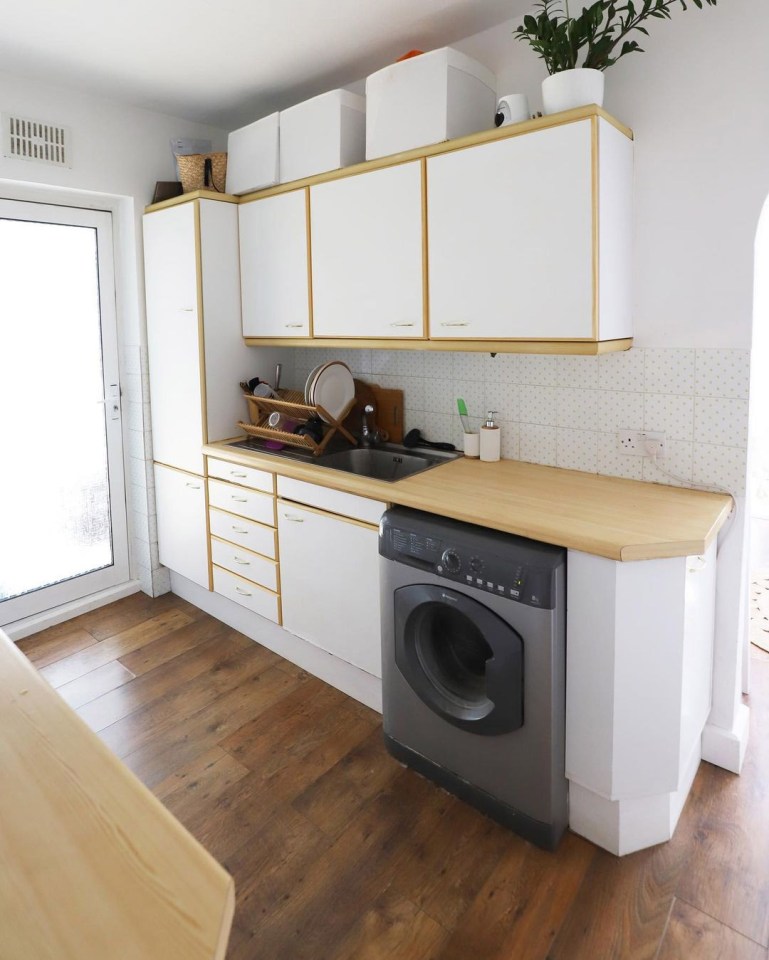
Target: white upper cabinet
column 196, row 350
column 367, row 259
column 273, row 266
column 516, row 249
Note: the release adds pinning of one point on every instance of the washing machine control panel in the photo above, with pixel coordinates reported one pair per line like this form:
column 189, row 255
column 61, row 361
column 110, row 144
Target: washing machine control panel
column 488, row 571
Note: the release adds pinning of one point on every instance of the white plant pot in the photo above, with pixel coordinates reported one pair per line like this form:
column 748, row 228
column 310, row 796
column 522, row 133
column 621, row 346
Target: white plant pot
column 572, row 88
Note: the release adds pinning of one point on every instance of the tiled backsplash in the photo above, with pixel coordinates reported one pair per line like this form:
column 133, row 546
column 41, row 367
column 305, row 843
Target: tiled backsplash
column 566, row 411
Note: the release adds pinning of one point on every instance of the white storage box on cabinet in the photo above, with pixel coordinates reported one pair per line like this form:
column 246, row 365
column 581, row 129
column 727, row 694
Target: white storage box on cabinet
column 426, row 99
column 253, row 155
column 325, row 133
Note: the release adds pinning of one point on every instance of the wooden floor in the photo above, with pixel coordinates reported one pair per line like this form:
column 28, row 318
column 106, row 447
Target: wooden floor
column 339, row 853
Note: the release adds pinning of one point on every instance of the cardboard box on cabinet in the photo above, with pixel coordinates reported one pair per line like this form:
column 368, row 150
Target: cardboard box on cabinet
column 427, row 99
column 324, row 133
column 253, row 156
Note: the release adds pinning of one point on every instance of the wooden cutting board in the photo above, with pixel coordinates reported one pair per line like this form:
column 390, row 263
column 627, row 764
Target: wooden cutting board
column 389, row 416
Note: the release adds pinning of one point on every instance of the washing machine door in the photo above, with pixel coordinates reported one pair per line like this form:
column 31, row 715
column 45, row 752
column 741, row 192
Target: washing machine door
column 460, row 658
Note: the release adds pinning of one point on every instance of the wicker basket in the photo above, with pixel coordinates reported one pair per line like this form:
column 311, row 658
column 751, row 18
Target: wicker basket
column 192, row 171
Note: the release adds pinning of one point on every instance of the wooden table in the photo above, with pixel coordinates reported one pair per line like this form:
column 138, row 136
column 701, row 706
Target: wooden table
column 92, row 866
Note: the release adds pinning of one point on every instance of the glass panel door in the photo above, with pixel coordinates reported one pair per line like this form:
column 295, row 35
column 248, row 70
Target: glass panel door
column 62, row 499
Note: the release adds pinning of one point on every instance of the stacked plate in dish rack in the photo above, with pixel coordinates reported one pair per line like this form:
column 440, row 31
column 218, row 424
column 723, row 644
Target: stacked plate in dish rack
column 330, row 386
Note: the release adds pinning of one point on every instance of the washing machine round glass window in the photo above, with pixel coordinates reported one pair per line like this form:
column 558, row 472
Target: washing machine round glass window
column 460, row 658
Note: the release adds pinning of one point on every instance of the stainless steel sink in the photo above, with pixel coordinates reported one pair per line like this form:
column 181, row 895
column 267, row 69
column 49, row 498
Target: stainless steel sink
column 388, row 461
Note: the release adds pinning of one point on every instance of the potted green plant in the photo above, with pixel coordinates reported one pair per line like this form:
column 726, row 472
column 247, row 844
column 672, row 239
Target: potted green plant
column 577, row 50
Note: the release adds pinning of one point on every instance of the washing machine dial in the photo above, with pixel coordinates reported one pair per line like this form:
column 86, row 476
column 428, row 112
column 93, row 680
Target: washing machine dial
column 476, row 564
column 451, row 561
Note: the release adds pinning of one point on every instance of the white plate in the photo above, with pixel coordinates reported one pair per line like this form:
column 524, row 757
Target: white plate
column 334, row 389
column 309, row 383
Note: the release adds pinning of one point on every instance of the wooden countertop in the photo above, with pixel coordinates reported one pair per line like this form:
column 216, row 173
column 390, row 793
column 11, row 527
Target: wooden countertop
column 605, row 516
column 92, row 866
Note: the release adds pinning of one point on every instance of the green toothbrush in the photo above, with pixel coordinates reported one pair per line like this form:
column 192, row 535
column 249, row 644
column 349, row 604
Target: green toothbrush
column 462, row 407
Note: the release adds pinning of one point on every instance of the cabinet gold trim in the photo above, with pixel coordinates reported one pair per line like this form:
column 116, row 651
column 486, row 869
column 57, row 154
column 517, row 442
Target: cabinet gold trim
column 585, row 348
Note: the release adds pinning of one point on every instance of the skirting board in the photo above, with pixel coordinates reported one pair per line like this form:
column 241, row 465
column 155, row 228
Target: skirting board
column 351, row 680
column 726, row 747
column 49, row 618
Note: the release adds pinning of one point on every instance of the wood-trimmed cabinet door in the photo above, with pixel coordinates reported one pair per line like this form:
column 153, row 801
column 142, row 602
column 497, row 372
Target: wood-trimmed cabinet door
column 514, row 231
column 182, row 523
column 274, row 266
column 367, row 254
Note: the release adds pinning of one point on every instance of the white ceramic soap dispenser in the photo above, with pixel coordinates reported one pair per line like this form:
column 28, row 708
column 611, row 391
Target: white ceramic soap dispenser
column 491, row 437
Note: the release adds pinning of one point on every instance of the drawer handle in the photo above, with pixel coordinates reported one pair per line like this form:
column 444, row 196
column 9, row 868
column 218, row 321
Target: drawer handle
column 192, row 486
column 238, row 499
column 456, row 323
column 294, row 326
column 243, row 563
column 402, row 323
column 234, row 473
column 293, row 519
column 698, row 564
column 242, row 592
column 238, row 529
column 188, row 309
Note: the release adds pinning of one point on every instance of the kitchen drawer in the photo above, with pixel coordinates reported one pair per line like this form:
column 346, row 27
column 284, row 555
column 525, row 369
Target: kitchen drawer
column 245, row 564
column 242, row 501
column 246, row 533
column 245, row 476
column 335, row 501
column 258, row 599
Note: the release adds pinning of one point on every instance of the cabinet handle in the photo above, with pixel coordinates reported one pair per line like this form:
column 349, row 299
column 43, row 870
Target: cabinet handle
column 698, row 564
column 288, row 516
column 456, row 323
column 193, row 486
column 294, row 326
column 188, row 309
column 234, row 473
column 238, row 499
column 243, row 563
column 402, row 323
column 238, row 529
column 242, row 592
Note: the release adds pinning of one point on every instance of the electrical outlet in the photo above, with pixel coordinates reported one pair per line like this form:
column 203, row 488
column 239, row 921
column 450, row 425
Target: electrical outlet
column 640, row 443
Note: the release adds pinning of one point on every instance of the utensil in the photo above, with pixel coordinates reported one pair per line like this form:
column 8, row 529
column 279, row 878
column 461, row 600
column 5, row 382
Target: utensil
column 414, row 438
column 462, row 407
column 278, row 371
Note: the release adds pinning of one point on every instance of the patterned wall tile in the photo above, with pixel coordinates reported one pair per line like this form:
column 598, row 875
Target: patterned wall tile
column 579, row 372
column 677, row 461
column 721, row 420
column 622, row 371
column 540, row 371
column 474, row 395
column 439, row 427
column 612, row 463
column 404, row 363
column 720, row 466
column 469, row 366
column 510, row 440
column 413, row 389
column 538, row 404
column 577, row 409
column 620, row 411
column 577, row 449
column 671, row 415
column 440, row 396
column 537, row 443
column 503, row 368
column 502, row 397
column 722, row 373
column 438, row 365
column 669, row 371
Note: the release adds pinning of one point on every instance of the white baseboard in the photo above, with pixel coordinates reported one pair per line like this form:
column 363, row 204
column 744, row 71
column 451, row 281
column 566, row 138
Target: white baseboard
column 40, row 621
column 725, row 747
column 344, row 676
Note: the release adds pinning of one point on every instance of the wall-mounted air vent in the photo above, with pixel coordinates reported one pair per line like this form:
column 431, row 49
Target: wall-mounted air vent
column 25, row 139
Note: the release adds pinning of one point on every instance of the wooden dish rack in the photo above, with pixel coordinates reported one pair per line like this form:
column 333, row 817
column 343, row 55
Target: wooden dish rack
column 292, row 405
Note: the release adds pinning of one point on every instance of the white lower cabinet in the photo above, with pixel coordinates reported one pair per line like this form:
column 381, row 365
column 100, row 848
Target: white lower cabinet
column 181, row 514
column 329, row 568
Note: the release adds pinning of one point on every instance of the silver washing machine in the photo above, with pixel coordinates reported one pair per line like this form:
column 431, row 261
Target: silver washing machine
column 474, row 666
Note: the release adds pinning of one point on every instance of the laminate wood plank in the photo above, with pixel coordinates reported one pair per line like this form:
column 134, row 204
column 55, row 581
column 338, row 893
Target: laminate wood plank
column 54, row 644
column 392, row 927
column 202, row 781
column 187, row 774
column 92, row 685
column 131, row 611
column 520, row 908
column 172, row 745
column 74, row 666
column 172, row 645
column 156, row 684
column 161, row 717
column 694, row 934
column 336, row 797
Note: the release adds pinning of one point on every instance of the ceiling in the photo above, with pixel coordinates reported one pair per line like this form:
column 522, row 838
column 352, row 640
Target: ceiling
column 230, row 62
